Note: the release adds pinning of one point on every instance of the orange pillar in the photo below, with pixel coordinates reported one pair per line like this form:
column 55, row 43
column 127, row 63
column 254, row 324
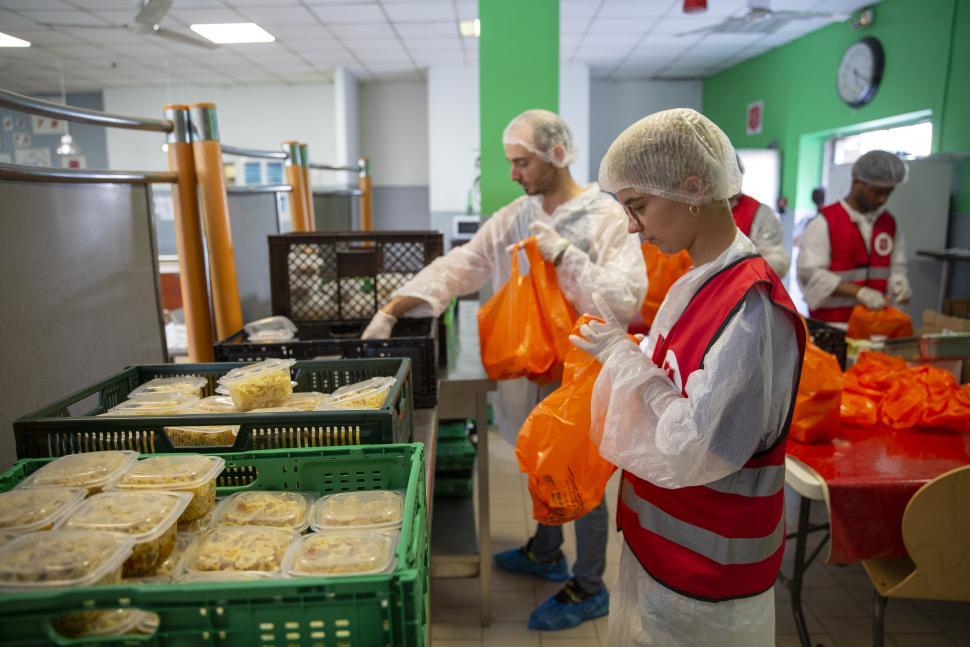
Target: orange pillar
column 367, row 199
column 293, row 173
column 307, row 188
column 188, row 238
column 215, row 210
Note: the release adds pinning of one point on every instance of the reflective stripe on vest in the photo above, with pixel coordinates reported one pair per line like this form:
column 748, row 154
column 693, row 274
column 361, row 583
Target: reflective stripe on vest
column 752, row 481
column 723, row 550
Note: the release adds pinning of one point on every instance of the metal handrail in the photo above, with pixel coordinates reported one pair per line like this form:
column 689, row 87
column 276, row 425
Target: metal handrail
column 31, row 105
column 252, row 152
column 83, row 176
column 331, row 167
column 259, row 188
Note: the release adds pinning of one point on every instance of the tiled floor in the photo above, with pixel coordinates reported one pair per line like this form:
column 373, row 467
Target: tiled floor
column 838, row 599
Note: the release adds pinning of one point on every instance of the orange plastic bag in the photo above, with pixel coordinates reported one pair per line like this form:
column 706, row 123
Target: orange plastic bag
column 952, row 414
column 567, row 475
column 557, row 313
column 819, row 397
column 857, row 410
column 663, row 270
column 890, row 322
column 513, row 335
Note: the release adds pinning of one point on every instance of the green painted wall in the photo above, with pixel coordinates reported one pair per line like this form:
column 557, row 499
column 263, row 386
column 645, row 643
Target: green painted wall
column 518, row 70
column 927, row 45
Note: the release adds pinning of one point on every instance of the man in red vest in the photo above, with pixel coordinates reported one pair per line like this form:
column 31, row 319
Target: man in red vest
column 853, row 251
column 759, row 223
column 698, row 420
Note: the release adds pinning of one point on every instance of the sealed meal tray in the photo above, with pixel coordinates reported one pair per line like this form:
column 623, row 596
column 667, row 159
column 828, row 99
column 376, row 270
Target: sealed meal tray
column 223, row 576
column 33, row 509
column 208, row 520
column 364, row 509
column 58, row 558
column 189, row 385
column 239, row 548
column 91, row 470
column 99, row 622
column 270, row 330
column 208, row 435
column 168, row 404
column 369, row 394
column 306, row 400
column 192, row 473
column 340, row 553
column 148, row 517
column 171, row 566
column 290, row 510
column 259, row 385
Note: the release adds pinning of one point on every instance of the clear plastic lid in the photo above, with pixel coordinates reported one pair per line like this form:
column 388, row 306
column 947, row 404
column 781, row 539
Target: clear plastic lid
column 164, row 405
column 98, row 622
column 176, row 472
column 223, row 576
column 171, row 566
column 187, row 384
column 30, row 509
column 258, row 385
column 142, row 515
column 239, row 548
column 256, row 370
column 214, row 404
column 340, row 553
column 42, row 560
column 365, row 509
column 289, row 510
column 369, row 394
column 92, row 470
column 306, row 400
column 203, row 523
column 270, row 329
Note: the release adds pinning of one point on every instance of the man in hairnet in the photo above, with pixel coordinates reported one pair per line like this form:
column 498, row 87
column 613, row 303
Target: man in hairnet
column 852, row 251
column 759, row 223
column 697, row 416
column 580, row 231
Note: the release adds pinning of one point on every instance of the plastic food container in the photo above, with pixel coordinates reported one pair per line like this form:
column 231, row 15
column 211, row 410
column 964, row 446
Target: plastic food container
column 270, row 330
column 91, row 470
column 58, row 558
column 239, row 549
column 189, row 385
column 192, row 473
column 259, row 385
column 171, row 566
column 214, row 404
column 223, row 576
column 99, row 622
column 149, row 518
column 33, row 509
column 209, row 435
column 369, row 394
column 153, row 405
column 340, row 553
column 305, row 401
column 289, row 510
column 367, row 509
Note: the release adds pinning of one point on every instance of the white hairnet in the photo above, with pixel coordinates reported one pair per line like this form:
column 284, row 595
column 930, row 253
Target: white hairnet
column 656, row 154
column 880, row 168
column 540, row 132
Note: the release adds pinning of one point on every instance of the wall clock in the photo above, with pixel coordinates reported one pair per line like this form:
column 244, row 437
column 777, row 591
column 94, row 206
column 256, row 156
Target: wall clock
column 860, row 71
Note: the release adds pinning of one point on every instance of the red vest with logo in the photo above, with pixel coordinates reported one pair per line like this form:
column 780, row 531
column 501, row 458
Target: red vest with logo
column 744, row 212
column 850, row 260
column 725, row 539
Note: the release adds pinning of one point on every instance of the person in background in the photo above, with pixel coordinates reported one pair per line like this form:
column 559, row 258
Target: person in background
column 698, row 419
column 852, row 251
column 759, row 223
column 580, row 231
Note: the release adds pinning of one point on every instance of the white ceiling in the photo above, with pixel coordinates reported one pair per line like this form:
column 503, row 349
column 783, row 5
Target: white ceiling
column 376, row 39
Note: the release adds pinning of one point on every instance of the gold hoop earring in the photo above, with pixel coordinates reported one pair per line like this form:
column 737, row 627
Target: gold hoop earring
column 694, row 209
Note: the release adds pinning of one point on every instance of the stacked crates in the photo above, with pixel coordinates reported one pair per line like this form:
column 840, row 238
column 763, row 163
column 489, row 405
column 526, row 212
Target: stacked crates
column 454, row 459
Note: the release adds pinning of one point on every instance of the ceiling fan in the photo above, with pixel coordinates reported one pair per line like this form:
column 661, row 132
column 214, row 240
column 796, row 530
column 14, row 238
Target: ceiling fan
column 148, row 22
column 760, row 19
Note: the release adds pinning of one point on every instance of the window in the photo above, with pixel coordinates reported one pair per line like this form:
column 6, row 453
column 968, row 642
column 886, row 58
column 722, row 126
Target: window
column 910, row 141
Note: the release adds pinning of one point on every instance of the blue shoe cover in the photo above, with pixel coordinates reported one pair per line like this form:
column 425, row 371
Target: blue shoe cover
column 553, row 615
column 517, row 561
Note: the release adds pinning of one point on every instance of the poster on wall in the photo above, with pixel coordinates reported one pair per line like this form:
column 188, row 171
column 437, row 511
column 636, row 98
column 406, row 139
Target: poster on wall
column 21, row 140
column 7, row 124
column 33, row 156
column 47, row 125
column 73, row 161
column 756, row 115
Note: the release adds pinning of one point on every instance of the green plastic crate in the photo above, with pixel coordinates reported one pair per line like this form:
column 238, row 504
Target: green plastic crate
column 453, row 487
column 454, row 455
column 363, row 611
column 452, row 430
column 68, row 426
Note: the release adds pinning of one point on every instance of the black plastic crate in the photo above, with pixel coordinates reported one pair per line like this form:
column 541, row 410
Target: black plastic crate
column 828, row 338
column 416, row 339
column 70, row 425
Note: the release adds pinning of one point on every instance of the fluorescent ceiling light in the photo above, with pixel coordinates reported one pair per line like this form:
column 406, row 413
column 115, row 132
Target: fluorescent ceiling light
column 7, row 40
column 233, row 32
column 470, row 28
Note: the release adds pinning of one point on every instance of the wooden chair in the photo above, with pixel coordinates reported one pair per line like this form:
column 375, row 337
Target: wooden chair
column 936, row 532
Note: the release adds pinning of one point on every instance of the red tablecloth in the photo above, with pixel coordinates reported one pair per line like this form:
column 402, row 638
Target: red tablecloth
column 871, row 475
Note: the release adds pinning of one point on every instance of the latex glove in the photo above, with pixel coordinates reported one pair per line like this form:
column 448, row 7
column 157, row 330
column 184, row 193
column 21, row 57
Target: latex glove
column 551, row 244
column 899, row 288
column 380, row 326
column 871, row 299
column 601, row 338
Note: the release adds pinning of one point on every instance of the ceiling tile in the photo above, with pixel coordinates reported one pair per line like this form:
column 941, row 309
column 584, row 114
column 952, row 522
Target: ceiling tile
column 724, row 9
column 117, row 17
column 36, row 5
column 272, row 16
column 9, row 20
column 344, row 14
column 316, row 45
column 625, row 9
column 841, row 6
column 203, row 16
column 728, row 40
column 577, row 9
column 437, row 58
column 41, row 36
column 362, row 31
column 467, row 10
column 427, row 29
column 433, row 44
column 802, row 27
column 378, row 45
column 424, row 11
column 674, row 26
column 64, row 17
column 568, row 27
column 617, row 26
column 619, row 43
column 286, row 32
column 98, row 5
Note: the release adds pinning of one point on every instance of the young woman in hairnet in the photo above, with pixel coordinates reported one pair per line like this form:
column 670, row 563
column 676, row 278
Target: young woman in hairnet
column 698, row 418
column 579, row 230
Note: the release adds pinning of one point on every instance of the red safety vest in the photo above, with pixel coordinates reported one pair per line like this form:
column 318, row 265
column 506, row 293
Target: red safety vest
column 725, row 539
column 850, row 260
column 744, row 212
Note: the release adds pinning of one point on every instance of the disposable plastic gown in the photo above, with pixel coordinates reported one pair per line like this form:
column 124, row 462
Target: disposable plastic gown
column 767, row 236
column 602, row 258
column 735, row 405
